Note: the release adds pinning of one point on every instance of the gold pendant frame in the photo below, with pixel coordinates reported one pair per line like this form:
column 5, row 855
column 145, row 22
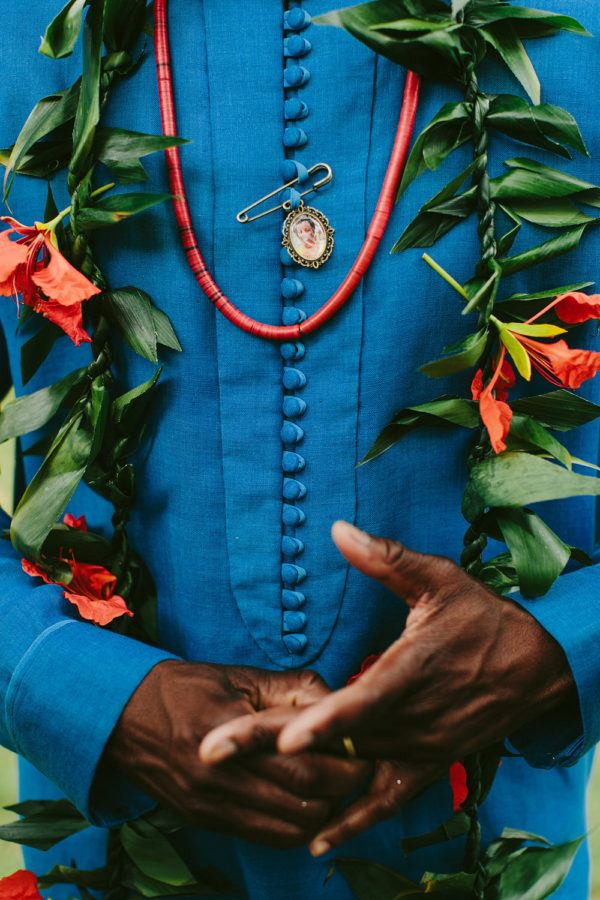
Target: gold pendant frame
column 308, row 236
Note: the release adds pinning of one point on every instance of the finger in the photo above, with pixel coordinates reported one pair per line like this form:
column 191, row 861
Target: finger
column 240, row 785
column 403, row 571
column 247, row 734
column 394, row 785
column 220, row 814
column 312, row 774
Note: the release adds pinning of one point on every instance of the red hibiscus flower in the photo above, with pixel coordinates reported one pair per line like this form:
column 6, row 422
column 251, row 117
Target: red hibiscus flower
column 22, row 885
column 555, row 360
column 32, row 265
column 92, row 587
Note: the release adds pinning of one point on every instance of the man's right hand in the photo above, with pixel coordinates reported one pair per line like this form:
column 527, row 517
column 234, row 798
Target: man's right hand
column 275, row 800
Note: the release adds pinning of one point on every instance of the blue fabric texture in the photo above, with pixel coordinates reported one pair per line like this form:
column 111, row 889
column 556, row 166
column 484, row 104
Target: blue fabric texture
column 224, row 481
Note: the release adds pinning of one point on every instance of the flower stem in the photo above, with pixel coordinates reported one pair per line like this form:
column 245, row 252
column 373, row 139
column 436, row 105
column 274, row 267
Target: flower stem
column 446, row 276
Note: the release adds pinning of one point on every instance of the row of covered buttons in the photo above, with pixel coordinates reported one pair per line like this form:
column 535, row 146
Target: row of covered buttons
column 295, row 48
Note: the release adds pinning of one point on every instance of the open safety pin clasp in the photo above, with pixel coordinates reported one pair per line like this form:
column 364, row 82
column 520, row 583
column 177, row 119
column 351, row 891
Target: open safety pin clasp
column 243, row 216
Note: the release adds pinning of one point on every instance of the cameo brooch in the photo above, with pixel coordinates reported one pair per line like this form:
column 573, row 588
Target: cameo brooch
column 308, row 236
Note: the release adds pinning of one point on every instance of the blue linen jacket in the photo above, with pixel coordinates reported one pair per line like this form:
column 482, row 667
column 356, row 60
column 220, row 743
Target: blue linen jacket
column 213, row 506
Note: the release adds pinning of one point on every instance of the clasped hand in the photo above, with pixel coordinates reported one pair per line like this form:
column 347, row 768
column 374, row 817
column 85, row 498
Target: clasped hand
column 468, row 670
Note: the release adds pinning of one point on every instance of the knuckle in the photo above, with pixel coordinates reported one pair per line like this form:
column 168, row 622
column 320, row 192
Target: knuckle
column 393, row 553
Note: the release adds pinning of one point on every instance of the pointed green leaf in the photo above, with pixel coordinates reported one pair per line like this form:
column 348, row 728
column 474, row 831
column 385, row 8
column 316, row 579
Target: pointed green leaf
column 45, row 826
column 88, row 108
column 461, row 356
column 537, row 552
column 517, row 352
column 154, row 855
column 446, row 131
column 508, row 45
column 484, row 14
column 123, row 22
column 528, row 434
column 545, row 126
column 62, row 32
column 520, row 479
column 535, row 330
column 561, row 213
column 568, row 185
column 535, row 873
column 96, row 879
column 560, row 410
column 115, row 208
column 564, row 243
column 550, row 293
column 371, row 881
column 455, row 827
column 32, row 411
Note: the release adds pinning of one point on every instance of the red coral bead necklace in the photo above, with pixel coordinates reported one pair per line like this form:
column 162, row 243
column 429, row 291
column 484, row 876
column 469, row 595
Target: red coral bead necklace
column 194, row 257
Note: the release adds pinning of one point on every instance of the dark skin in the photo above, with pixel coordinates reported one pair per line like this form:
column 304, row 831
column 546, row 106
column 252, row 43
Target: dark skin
column 282, row 801
column 469, row 669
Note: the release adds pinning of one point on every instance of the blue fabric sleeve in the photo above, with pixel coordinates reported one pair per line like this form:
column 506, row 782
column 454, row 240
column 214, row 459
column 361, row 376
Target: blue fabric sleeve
column 570, row 612
column 63, row 686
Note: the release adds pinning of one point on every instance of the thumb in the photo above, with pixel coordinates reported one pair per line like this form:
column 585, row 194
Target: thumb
column 403, row 571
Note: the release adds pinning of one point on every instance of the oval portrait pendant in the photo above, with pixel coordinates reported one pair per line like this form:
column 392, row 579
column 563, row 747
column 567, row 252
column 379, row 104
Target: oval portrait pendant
column 308, row 236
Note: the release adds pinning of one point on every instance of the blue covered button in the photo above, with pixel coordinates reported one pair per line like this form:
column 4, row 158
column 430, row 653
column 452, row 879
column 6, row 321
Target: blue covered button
column 291, row 574
column 292, row 350
column 291, row 315
column 293, row 379
column 296, row 19
column 292, row 599
column 295, row 46
column 291, row 288
column 294, row 109
column 295, row 76
column 291, row 546
column 293, row 490
column 295, row 643
column 294, row 621
column 291, row 515
column 291, row 433
column 292, row 462
column 293, row 136
column 293, row 407
column 291, row 168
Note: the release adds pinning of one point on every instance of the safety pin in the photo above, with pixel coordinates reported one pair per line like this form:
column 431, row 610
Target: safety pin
column 243, row 216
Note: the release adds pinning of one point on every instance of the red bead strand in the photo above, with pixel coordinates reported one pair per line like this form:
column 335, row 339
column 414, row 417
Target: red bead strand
column 204, row 278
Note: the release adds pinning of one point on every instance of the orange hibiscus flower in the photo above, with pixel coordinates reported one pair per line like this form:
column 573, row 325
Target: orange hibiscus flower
column 556, row 361
column 32, row 265
column 22, row 885
column 91, row 588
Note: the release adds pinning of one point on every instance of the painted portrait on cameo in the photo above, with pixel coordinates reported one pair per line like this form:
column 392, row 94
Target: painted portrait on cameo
column 308, row 237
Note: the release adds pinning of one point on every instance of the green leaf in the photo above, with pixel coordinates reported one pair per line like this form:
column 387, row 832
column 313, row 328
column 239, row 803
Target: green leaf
column 48, row 493
column 123, row 22
column 430, row 224
column 564, row 243
column 446, row 131
column 560, row 410
column 47, row 115
column 443, row 411
column 528, row 434
column 32, row 411
column 36, row 349
column 154, row 855
column 208, row 881
column 96, row 879
column 143, row 326
column 561, row 213
column 545, row 126
column 455, row 827
column 548, row 178
column 550, row 293
column 128, row 410
column 122, row 150
column 509, row 47
column 520, row 479
column 460, row 356
column 536, row 872
column 114, row 209
column 517, row 352
column 484, row 14
column 535, row 329
column 48, row 823
column 88, row 108
column 458, row 886
column 62, row 32
column 538, row 554
column 371, row 881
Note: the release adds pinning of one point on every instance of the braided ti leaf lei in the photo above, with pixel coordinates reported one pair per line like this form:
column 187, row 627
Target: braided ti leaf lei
column 515, row 459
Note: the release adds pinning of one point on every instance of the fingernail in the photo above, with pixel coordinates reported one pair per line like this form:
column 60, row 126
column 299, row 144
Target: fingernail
column 221, row 751
column 360, row 537
column 319, row 848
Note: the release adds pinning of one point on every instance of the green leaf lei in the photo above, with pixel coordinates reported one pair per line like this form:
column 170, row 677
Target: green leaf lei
column 91, row 432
